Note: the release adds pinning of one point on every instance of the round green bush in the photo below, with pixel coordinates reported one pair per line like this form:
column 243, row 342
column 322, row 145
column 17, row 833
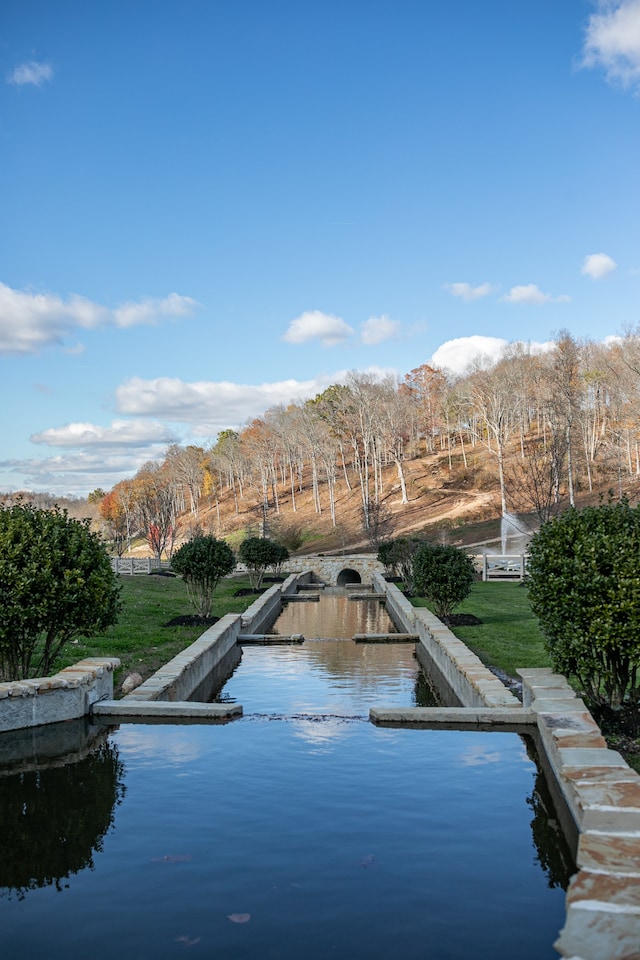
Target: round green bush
column 56, row 583
column 443, row 575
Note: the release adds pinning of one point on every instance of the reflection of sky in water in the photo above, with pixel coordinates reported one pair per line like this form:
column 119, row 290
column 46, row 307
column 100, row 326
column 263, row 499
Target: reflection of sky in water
column 333, row 675
column 335, row 838
column 151, row 745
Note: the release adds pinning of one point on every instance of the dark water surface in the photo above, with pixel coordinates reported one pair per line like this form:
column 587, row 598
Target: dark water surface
column 299, row 832
column 288, row 839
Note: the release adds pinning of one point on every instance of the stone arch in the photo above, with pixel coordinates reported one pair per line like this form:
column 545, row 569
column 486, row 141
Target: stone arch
column 348, row 575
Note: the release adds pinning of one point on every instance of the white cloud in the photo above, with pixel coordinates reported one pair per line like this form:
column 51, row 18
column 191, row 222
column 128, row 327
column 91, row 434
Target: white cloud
column 457, row 355
column 149, row 309
column 315, row 325
column 466, row 292
column 612, row 41
column 32, row 73
column 530, row 293
column 32, row 321
column 460, row 354
column 377, row 329
column 79, row 473
column 598, row 265
column 121, row 433
column 214, row 406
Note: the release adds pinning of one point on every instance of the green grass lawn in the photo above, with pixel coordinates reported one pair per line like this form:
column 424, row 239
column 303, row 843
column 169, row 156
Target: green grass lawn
column 140, row 639
column 509, row 635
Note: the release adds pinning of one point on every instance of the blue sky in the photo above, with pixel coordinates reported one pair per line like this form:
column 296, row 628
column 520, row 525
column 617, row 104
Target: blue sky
column 209, row 208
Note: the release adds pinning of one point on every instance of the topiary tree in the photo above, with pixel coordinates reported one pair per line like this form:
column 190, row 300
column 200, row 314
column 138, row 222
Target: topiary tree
column 397, row 555
column 443, row 575
column 201, row 563
column 56, row 583
column 258, row 553
column 584, row 588
column 281, row 558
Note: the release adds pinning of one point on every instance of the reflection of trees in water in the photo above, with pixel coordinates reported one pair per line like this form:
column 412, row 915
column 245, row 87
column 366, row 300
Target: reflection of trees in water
column 55, row 818
column 424, row 692
column 552, row 850
column 333, row 616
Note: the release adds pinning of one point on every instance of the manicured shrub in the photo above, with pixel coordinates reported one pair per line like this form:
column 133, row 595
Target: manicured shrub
column 584, row 588
column 258, row 553
column 397, row 556
column 56, row 583
column 443, row 575
column 281, row 557
column 201, row 563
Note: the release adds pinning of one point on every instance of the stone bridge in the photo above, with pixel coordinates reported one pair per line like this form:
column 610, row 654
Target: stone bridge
column 357, row 568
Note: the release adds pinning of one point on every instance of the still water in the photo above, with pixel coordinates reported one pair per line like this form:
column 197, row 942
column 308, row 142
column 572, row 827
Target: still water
column 291, row 834
column 329, row 673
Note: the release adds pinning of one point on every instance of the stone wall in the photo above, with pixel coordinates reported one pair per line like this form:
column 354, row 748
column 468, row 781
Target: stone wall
column 328, row 569
column 67, row 695
column 473, row 684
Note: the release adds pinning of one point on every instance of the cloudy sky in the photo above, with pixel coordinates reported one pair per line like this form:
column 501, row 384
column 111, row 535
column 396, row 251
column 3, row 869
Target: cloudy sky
column 209, row 207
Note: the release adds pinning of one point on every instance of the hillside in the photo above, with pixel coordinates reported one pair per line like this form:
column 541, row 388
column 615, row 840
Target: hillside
column 457, row 503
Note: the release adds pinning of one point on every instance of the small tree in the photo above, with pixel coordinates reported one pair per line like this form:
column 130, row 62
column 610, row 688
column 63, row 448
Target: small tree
column 443, row 575
column 56, row 583
column 202, row 562
column 281, row 558
column 385, row 557
column 397, row 556
column 584, row 587
column 258, row 553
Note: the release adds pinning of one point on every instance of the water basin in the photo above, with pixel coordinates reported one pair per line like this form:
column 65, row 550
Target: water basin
column 283, row 838
column 298, row 831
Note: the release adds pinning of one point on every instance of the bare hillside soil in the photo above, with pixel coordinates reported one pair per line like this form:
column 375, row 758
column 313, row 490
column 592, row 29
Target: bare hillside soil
column 454, row 502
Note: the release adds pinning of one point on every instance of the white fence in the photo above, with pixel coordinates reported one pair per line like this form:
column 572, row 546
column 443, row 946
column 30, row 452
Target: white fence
column 504, row 567
column 132, row 565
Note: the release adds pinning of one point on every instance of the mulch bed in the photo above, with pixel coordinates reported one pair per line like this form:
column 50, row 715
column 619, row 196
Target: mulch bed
column 462, row 620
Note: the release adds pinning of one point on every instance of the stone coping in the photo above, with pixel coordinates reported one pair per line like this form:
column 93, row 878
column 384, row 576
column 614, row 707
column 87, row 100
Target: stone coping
column 79, row 674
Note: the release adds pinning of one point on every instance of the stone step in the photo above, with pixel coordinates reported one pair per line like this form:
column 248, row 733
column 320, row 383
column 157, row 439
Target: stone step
column 264, row 639
column 386, row 637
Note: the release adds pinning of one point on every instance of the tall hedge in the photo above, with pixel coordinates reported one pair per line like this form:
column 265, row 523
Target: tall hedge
column 56, row 583
column 584, row 587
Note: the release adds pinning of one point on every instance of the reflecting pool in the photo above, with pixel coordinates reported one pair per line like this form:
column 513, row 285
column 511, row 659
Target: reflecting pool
column 284, row 838
column 298, row 832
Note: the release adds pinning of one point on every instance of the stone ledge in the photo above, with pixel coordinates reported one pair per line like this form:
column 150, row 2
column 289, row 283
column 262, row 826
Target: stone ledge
column 460, row 716
column 157, row 709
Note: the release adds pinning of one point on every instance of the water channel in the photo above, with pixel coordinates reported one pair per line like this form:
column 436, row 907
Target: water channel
column 298, row 831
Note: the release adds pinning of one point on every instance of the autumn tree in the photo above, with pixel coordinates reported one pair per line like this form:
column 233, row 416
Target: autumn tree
column 426, row 386
column 186, row 465
column 155, row 504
